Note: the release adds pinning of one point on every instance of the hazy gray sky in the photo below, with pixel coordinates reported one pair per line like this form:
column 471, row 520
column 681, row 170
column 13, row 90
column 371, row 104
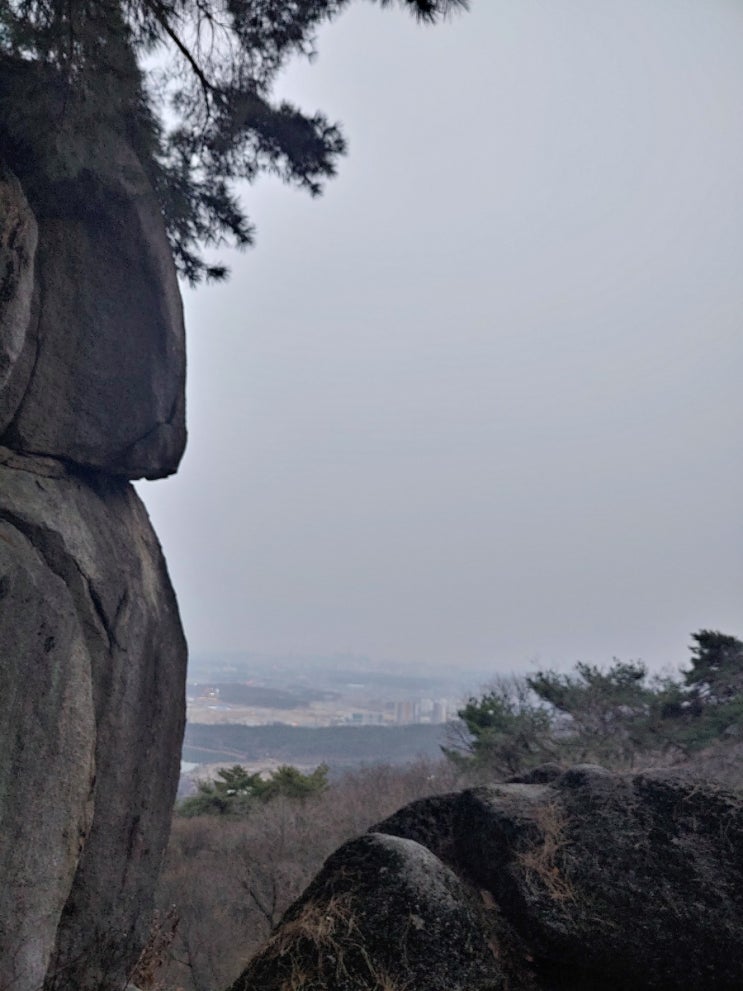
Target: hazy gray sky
column 481, row 403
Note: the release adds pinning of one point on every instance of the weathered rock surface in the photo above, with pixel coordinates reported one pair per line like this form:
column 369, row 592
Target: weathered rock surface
column 383, row 913
column 638, row 880
column 585, row 881
column 92, row 370
column 18, row 238
column 47, row 740
column 95, row 359
column 92, row 719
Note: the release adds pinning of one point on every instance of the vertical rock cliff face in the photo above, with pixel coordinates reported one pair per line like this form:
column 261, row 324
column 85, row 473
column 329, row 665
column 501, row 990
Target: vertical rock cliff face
column 92, row 365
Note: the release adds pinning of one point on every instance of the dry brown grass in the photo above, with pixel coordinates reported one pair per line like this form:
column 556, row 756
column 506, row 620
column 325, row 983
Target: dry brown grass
column 232, row 880
column 542, row 861
column 161, row 936
column 318, row 943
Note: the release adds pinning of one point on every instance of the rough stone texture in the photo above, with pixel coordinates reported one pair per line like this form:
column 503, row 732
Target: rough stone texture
column 102, row 371
column 383, row 913
column 92, row 369
column 18, row 237
column 639, row 878
column 101, row 658
column 47, row 737
column 587, row 881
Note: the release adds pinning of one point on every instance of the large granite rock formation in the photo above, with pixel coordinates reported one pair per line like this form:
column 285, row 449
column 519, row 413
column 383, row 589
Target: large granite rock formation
column 93, row 656
column 92, row 363
column 47, row 742
column 90, row 636
column 590, row 881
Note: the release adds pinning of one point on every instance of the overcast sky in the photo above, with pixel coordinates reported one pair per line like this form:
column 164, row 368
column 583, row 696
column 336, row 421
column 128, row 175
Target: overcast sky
column 480, row 405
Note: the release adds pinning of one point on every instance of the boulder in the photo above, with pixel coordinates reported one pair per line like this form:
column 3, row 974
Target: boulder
column 96, row 680
column 99, row 375
column 383, row 913
column 621, row 881
column 584, row 880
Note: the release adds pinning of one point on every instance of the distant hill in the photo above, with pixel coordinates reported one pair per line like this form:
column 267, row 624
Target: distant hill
column 337, row 746
column 238, row 693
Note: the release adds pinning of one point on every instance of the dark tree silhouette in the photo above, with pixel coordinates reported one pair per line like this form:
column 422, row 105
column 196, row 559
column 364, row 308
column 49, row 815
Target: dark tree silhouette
column 188, row 83
column 716, row 666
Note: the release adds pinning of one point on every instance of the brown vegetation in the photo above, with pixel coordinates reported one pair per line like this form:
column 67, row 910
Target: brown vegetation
column 542, row 860
column 228, row 881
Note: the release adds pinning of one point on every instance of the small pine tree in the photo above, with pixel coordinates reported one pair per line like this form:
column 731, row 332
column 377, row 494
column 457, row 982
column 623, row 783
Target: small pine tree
column 599, row 714
column 505, row 731
column 236, row 791
column 716, row 672
column 707, row 708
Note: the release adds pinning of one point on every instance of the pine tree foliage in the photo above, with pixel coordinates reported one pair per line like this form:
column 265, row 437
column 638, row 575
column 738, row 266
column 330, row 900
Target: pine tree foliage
column 189, row 83
column 236, row 791
column 716, row 665
column 620, row 716
column 506, row 730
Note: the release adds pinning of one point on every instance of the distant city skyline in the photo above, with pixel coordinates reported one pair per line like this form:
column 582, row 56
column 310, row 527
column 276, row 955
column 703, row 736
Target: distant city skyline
column 480, row 403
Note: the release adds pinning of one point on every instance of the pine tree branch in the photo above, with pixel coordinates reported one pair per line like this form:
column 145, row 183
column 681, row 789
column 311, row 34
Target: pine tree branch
column 161, row 14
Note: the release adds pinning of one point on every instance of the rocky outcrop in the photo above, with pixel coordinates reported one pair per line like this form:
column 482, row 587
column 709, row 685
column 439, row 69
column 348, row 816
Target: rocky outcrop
column 47, row 742
column 383, row 913
column 591, row 881
column 93, row 340
column 93, row 656
column 93, row 722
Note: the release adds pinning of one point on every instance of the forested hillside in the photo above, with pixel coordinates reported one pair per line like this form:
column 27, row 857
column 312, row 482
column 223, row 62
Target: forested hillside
column 337, row 746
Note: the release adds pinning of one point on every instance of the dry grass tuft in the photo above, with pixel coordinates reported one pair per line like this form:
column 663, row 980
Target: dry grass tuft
column 318, row 943
column 162, row 933
column 541, row 861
